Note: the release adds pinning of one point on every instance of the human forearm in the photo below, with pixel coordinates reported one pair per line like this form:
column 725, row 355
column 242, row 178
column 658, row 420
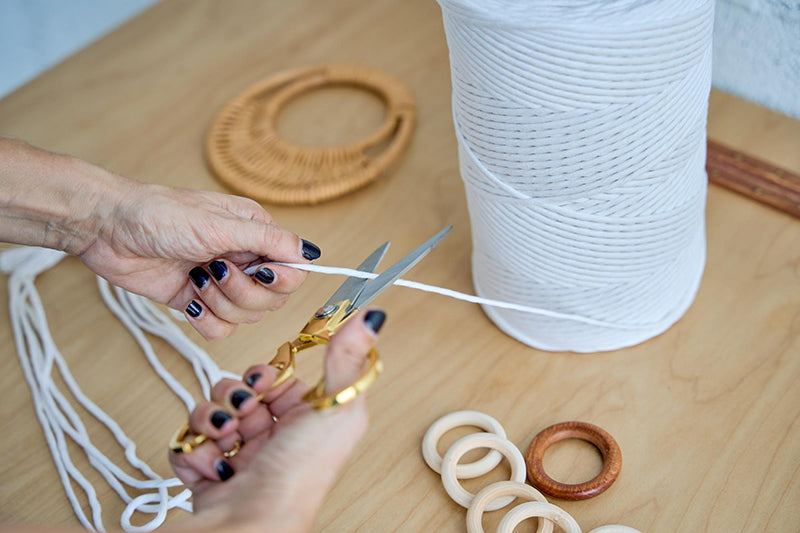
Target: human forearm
column 52, row 200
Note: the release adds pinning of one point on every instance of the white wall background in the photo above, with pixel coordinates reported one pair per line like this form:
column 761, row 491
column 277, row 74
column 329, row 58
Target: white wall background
column 38, row 34
column 756, row 42
column 757, row 52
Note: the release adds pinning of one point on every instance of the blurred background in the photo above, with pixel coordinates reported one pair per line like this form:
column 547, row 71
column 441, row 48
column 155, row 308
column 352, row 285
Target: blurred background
column 756, row 43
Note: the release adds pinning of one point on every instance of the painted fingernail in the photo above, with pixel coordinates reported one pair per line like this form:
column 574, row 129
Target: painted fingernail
column 265, row 276
column 219, row 418
column 218, row 269
column 199, row 277
column 252, row 379
column 238, row 398
column 310, row 250
column 194, row 309
column 224, row 470
column 374, row 320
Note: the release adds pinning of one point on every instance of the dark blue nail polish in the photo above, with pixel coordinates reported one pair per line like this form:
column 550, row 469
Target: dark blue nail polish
column 219, row 418
column 239, row 397
column 374, row 320
column 224, row 470
column 265, row 276
column 310, row 250
column 252, row 379
column 199, row 277
column 218, row 269
column 194, row 309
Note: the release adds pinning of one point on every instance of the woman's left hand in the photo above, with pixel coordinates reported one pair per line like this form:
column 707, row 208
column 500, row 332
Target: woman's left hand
column 180, row 247
column 187, row 249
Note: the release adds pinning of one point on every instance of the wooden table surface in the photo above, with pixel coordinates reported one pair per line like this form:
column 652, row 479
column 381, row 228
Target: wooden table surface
column 706, row 414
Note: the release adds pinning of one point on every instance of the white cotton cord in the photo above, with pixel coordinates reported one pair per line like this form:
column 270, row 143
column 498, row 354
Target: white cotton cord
column 486, row 302
column 40, row 358
column 581, row 135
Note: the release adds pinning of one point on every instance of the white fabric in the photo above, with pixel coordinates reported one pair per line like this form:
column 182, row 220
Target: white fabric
column 581, row 133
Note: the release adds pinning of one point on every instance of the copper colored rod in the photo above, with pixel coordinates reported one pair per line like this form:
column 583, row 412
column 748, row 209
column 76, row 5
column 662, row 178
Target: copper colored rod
column 753, row 177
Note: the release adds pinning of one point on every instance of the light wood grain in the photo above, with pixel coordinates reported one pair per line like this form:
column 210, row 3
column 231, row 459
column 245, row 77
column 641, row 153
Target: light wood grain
column 706, row 414
column 754, row 178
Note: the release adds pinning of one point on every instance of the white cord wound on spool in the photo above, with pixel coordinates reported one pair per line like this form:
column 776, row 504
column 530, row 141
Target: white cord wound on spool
column 581, row 135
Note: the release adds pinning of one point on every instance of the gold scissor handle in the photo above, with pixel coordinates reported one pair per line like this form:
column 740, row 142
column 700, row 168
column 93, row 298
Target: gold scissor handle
column 317, row 331
column 180, row 444
column 321, row 401
column 283, row 362
column 183, row 441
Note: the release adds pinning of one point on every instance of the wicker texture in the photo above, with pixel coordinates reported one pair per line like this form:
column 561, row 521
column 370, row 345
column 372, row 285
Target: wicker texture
column 246, row 153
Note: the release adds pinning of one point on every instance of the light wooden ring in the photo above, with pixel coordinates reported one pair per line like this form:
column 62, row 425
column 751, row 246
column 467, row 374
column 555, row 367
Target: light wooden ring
column 480, row 440
column 503, row 488
column 605, row 443
column 456, row 419
column 542, row 510
column 245, row 151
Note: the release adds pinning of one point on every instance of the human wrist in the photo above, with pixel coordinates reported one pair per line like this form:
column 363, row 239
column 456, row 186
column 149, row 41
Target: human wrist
column 53, row 200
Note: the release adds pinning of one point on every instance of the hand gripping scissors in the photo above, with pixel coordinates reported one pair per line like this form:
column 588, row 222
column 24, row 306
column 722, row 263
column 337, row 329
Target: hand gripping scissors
column 345, row 302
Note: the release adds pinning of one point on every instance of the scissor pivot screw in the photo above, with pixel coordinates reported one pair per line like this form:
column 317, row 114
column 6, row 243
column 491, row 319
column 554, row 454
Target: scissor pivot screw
column 326, row 311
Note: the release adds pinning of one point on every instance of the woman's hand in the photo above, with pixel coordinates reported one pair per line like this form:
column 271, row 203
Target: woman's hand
column 284, row 469
column 187, row 249
column 183, row 248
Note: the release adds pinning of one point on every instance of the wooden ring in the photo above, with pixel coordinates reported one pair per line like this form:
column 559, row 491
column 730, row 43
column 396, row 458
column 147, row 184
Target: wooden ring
column 456, row 419
column 245, row 151
column 503, row 488
column 547, row 511
column 480, row 440
column 605, row 443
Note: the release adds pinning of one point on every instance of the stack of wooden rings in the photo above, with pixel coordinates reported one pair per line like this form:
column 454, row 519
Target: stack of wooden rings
column 500, row 494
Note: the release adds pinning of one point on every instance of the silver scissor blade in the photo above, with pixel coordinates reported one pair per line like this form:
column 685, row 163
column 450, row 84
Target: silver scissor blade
column 388, row 277
column 352, row 287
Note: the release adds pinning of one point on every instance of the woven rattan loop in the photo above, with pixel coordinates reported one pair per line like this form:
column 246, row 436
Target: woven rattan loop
column 245, row 151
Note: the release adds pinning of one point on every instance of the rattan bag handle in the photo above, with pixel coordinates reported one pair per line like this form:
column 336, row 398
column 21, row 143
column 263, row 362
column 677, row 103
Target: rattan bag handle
column 245, row 151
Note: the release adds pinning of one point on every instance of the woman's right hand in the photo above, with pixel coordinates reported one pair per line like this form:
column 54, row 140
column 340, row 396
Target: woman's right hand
column 284, row 469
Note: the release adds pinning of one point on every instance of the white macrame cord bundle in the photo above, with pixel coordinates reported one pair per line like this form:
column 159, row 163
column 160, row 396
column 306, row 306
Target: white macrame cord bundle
column 40, row 360
column 581, row 135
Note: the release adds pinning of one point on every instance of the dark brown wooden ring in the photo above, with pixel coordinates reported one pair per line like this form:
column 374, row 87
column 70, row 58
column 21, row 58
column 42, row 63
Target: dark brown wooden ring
column 605, row 443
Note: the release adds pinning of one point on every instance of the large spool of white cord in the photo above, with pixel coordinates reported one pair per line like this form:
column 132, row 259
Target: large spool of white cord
column 581, row 132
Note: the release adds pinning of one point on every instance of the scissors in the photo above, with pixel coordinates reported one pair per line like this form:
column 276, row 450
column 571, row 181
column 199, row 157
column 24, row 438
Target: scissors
column 345, row 302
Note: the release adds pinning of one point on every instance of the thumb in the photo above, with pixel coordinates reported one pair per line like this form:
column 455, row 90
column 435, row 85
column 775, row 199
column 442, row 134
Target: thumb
column 346, row 354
